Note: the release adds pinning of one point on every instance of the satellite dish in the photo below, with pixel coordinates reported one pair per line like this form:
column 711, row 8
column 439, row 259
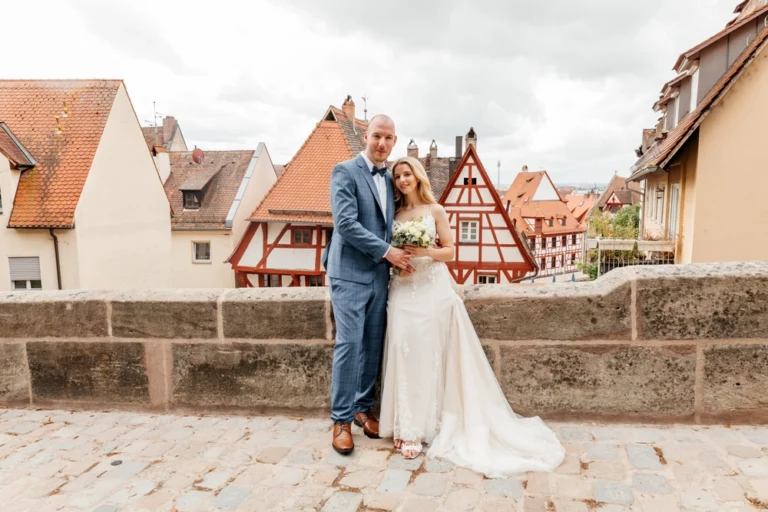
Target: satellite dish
column 198, row 156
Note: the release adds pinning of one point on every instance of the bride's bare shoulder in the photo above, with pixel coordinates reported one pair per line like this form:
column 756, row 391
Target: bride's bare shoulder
column 438, row 211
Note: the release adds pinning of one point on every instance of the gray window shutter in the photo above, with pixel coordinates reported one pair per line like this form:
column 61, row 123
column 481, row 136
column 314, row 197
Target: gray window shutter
column 25, row 269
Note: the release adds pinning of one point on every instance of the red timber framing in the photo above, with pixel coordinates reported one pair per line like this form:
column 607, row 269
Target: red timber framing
column 290, row 237
column 470, row 197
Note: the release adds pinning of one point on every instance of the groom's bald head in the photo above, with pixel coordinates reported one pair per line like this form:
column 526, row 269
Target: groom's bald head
column 380, row 138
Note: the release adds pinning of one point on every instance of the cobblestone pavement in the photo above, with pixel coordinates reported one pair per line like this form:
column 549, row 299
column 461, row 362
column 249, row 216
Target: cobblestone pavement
column 107, row 462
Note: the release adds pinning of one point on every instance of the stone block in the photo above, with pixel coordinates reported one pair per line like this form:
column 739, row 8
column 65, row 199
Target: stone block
column 613, row 492
column 249, row 375
column 168, row 314
column 703, row 301
column 275, row 313
column 14, row 389
column 597, row 310
column 595, row 379
column 99, row 372
column 77, row 314
column 735, row 378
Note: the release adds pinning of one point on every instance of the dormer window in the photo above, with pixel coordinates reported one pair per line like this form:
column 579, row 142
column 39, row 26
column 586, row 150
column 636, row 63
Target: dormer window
column 550, row 222
column 191, row 200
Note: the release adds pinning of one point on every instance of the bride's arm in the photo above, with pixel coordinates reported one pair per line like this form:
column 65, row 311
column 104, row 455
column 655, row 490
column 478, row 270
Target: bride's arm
column 446, row 251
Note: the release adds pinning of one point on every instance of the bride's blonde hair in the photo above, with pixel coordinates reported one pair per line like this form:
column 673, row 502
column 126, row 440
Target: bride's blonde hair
column 423, row 187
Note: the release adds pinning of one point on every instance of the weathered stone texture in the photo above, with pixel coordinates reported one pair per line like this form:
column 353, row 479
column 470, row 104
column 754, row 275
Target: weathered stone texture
column 577, row 312
column 285, row 313
column 169, row 314
column 700, row 307
column 13, row 378
column 52, row 314
column 599, row 379
column 89, row 372
column 247, row 375
column 736, row 377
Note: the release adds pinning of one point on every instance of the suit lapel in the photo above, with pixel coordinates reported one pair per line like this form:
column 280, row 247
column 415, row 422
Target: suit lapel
column 371, row 184
column 390, row 201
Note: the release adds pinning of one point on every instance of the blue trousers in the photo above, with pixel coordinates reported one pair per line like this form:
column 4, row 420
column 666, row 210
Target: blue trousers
column 360, row 311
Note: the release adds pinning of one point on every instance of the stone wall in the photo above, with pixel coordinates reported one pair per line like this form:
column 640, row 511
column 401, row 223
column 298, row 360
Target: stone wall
column 677, row 343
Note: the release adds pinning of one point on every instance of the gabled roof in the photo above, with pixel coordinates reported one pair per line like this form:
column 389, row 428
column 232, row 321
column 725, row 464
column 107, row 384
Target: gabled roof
column 580, row 204
column 219, row 177
column 162, row 135
column 660, row 153
column 618, row 184
column 471, row 152
column 13, row 150
column 61, row 123
column 691, row 53
column 523, row 189
column 302, row 192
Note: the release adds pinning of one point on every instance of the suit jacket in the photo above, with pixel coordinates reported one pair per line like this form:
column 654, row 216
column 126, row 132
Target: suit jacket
column 362, row 225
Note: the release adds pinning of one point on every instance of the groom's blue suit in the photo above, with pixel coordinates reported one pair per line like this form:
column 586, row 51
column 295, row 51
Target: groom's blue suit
column 359, row 278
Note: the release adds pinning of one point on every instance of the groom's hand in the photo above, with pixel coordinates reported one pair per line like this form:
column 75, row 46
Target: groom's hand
column 399, row 258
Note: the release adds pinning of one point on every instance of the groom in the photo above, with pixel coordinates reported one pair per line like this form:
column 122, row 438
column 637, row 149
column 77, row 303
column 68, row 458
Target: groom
column 357, row 263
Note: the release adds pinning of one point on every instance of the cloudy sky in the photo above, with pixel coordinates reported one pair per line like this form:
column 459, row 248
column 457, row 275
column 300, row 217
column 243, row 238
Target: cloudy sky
column 563, row 85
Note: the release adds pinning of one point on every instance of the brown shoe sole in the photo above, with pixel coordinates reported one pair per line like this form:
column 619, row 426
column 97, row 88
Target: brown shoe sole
column 371, row 436
column 341, row 451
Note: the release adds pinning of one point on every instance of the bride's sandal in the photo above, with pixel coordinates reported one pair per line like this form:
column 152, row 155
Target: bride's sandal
column 410, row 449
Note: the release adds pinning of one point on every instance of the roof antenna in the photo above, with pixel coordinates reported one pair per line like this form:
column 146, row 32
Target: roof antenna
column 365, row 107
column 498, row 173
column 155, row 116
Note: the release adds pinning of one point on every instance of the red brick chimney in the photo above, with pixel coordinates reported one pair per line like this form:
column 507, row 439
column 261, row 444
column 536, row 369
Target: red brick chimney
column 349, row 108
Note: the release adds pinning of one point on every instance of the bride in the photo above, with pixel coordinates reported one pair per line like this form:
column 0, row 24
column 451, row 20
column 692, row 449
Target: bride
column 438, row 387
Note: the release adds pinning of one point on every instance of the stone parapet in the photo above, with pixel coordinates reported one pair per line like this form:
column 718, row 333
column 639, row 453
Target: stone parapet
column 667, row 343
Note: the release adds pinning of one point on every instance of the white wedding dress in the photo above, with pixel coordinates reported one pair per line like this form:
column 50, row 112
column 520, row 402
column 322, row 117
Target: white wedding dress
column 439, row 388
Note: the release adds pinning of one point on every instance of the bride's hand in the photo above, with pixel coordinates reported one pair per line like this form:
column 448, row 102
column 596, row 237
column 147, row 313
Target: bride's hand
column 417, row 252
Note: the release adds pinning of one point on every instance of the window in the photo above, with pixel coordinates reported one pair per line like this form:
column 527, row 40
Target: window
column 543, row 242
column 562, row 222
column 270, row 281
column 550, row 222
column 573, row 239
column 302, row 236
column 191, row 201
column 573, row 258
column 543, row 263
column 564, row 241
column 486, row 279
column 201, row 252
column 553, row 261
column 474, row 181
column 469, row 231
column 314, row 280
column 25, row 273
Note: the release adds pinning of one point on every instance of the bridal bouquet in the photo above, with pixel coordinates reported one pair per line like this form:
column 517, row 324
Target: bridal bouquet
column 412, row 232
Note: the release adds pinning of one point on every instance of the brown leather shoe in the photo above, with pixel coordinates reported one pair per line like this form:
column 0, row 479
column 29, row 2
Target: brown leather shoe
column 368, row 422
column 342, row 438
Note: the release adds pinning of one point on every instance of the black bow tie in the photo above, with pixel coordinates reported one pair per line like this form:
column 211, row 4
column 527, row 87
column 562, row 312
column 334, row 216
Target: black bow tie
column 376, row 170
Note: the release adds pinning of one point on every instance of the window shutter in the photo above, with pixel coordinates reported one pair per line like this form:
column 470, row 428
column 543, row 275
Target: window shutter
column 25, row 269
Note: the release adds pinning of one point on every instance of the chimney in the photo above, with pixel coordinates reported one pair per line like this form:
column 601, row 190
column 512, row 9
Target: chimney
column 537, row 226
column 459, row 148
column 649, row 137
column 471, row 137
column 525, row 168
column 433, row 150
column 349, row 108
column 169, row 124
column 413, row 149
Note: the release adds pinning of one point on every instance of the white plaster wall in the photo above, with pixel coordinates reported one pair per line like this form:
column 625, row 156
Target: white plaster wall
column 292, row 259
column 189, row 274
column 261, row 180
column 123, row 216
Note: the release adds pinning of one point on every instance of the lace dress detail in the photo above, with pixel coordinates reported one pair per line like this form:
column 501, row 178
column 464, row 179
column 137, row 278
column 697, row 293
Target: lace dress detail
column 438, row 388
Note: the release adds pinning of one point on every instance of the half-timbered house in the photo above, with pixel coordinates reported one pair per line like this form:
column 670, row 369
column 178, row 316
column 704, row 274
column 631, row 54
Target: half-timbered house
column 488, row 247
column 290, row 228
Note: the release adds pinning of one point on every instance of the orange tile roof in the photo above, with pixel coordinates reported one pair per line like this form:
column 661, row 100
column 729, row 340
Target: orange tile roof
column 220, row 174
column 580, row 204
column 660, row 153
column 14, row 150
column 302, row 193
column 520, row 195
column 60, row 122
column 619, row 184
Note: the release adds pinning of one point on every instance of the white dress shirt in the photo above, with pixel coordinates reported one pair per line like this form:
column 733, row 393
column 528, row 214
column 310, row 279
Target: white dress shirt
column 381, row 186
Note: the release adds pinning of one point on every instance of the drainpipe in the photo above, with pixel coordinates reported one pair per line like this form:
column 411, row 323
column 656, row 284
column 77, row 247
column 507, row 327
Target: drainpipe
column 56, row 251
